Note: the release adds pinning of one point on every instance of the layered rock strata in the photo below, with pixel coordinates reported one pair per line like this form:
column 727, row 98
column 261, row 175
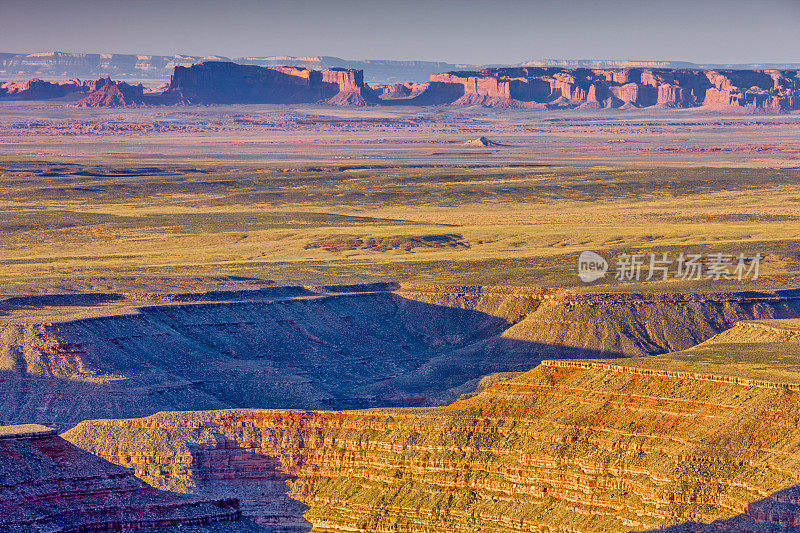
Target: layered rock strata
column 528, row 87
column 49, row 485
column 419, row 345
column 568, row 446
column 778, row 513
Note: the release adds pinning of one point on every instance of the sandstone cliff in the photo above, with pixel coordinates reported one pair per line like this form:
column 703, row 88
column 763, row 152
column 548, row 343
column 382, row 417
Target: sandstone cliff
column 539, row 88
column 215, row 82
column 329, row 351
column 600, row 325
column 220, row 82
column 351, row 87
column 568, row 446
column 778, row 513
column 49, row 485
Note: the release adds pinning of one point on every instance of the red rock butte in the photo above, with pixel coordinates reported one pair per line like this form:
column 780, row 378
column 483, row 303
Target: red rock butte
column 218, row 82
column 215, row 82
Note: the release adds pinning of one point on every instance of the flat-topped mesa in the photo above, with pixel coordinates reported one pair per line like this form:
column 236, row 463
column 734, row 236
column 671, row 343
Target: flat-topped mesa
column 527, row 87
column 48, row 484
column 218, row 82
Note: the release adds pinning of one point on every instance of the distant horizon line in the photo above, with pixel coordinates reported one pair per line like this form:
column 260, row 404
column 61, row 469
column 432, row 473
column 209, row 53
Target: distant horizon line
column 320, row 57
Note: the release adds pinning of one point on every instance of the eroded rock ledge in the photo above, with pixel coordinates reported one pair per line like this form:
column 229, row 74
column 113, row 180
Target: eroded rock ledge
column 49, row 485
column 577, row 447
column 678, row 374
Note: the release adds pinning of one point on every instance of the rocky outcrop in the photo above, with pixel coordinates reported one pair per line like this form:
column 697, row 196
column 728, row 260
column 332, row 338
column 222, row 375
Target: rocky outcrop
column 49, row 485
column 114, row 94
column 590, row 447
column 215, row 82
column 352, row 348
column 37, row 89
column 351, row 87
column 482, row 142
column 537, row 88
column 495, row 90
column 220, row 82
column 399, row 90
column 431, row 93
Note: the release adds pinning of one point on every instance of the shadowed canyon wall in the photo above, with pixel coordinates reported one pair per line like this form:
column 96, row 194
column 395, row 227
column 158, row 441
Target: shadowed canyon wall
column 48, row 484
column 296, row 348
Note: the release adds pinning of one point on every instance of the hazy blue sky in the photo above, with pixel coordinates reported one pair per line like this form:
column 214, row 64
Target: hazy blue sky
column 465, row 31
